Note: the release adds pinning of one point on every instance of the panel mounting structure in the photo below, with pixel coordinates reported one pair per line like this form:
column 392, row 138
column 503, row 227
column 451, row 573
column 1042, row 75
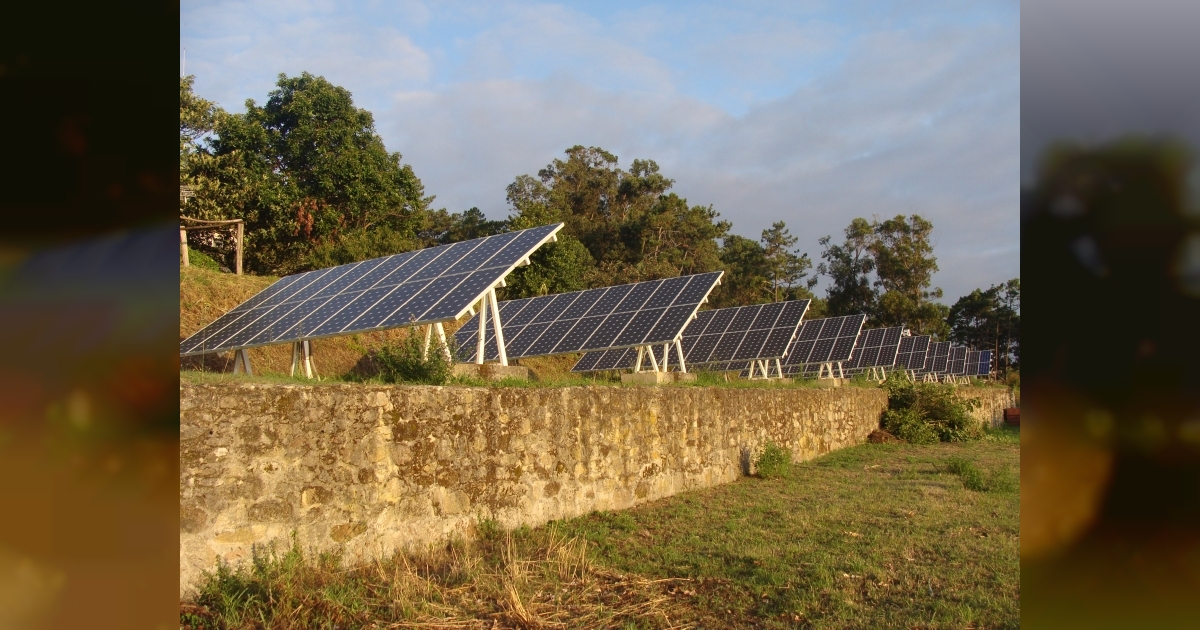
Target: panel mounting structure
column 755, row 336
column 875, row 352
column 823, row 345
column 424, row 287
column 912, row 354
column 637, row 315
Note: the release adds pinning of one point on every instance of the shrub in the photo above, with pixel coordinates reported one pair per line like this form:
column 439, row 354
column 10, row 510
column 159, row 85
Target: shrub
column 908, row 425
column 934, row 405
column 199, row 259
column 971, row 476
column 774, row 462
column 403, row 361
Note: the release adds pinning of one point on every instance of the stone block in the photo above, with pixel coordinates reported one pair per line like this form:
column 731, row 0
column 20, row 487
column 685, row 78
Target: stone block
column 830, row 382
column 658, row 378
column 493, row 371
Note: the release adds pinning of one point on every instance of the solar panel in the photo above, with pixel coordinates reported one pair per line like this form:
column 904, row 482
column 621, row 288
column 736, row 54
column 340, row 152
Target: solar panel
column 828, row 340
column 939, row 355
column 876, row 347
column 984, row 367
column 422, row 287
column 912, row 352
column 720, row 337
column 624, row 316
column 957, row 363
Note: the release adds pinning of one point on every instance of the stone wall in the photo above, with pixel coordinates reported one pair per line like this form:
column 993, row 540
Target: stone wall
column 366, row 469
column 992, row 403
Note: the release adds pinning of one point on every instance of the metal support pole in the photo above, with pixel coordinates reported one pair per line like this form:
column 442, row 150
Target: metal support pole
column 295, row 357
column 637, row 367
column 241, row 359
column 428, row 337
column 778, row 369
column 310, row 368
column 497, row 326
column 666, row 356
column 482, row 330
column 441, row 331
column 679, row 355
column 183, row 248
column 653, row 361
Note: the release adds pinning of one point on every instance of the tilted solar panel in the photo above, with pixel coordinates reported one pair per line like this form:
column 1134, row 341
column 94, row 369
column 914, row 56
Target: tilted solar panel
column 623, row 316
column 983, row 364
column 876, row 347
column 828, row 340
column 426, row 286
column 939, row 356
column 957, row 365
column 912, row 352
column 723, row 336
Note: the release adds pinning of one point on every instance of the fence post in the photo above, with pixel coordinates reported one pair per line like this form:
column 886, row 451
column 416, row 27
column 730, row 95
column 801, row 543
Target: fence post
column 239, row 248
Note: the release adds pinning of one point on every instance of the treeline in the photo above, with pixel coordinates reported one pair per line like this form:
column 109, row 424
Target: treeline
column 315, row 186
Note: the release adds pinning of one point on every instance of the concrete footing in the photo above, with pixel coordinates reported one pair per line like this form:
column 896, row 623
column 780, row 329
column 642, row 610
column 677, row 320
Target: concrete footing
column 830, row 382
column 657, row 378
column 493, row 371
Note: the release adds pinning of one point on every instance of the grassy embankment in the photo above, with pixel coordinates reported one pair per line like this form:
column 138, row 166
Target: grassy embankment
column 879, row 535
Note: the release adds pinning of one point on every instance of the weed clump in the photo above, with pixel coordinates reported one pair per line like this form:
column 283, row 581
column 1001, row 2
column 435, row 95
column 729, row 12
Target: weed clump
column 927, row 413
column 774, row 462
column 408, row 361
column 974, row 479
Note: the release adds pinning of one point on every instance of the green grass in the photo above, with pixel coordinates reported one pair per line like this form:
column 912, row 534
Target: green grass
column 872, row 536
column 878, row 535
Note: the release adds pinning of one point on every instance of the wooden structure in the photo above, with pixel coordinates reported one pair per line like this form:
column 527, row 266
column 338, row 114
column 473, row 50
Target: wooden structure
column 187, row 224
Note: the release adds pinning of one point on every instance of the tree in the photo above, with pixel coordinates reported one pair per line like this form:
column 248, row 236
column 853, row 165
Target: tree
column 311, row 179
column 849, row 266
column 904, row 267
column 627, row 222
column 785, row 269
column 990, row 319
column 197, row 118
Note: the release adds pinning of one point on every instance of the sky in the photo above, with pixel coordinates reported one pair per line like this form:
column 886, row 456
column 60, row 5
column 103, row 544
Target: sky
column 811, row 113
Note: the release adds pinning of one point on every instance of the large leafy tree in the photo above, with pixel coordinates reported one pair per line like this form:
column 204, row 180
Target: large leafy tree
column 310, row 177
column 849, row 268
column 620, row 226
column 197, row 117
column 904, row 267
column 767, row 270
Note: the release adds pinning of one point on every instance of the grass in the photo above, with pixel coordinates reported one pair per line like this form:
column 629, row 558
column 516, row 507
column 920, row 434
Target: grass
column 878, row 535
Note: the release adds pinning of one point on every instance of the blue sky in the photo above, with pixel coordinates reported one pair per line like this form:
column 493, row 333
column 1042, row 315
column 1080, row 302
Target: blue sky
column 811, row 113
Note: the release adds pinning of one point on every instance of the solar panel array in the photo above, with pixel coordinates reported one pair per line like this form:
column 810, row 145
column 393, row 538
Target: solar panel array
column 831, row 339
column 718, row 337
column 876, row 347
column 623, row 316
column 425, row 286
column 912, row 352
column 939, row 355
column 957, row 363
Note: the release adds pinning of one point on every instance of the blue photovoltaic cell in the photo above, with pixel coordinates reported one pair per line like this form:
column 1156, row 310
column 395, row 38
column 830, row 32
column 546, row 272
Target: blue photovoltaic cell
column 598, row 319
column 912, row 352
column 431, row 285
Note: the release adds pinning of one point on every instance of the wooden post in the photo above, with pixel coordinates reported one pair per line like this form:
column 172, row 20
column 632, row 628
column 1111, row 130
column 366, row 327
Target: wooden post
column 240, row 228
column 183, row 248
